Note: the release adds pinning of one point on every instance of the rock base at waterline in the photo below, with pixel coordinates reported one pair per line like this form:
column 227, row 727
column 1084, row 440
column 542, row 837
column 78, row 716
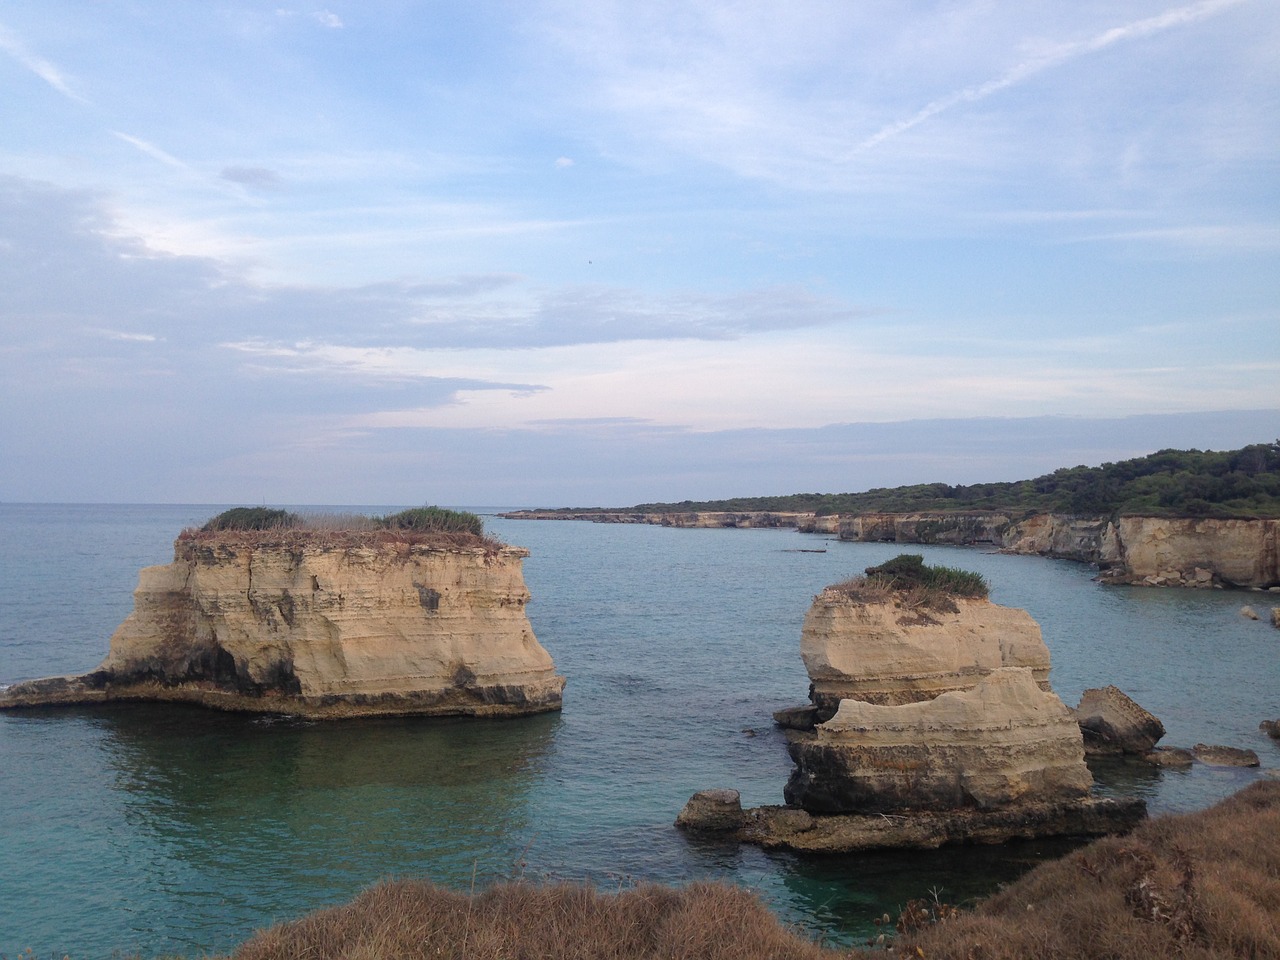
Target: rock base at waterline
column 790, row 828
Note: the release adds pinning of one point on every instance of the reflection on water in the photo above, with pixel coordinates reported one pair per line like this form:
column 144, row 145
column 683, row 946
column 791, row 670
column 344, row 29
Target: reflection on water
column 245, row 820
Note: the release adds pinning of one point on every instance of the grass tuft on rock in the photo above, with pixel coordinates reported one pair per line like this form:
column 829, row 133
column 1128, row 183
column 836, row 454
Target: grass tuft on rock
column 434, row 520
column 908, row 581
column 418, row 525
column 253, row 518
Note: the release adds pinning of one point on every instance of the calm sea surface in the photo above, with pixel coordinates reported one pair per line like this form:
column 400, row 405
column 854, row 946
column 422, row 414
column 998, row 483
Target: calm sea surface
column 161, row 830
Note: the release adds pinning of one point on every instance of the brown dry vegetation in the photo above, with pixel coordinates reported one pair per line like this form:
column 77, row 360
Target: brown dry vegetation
column 335, row 538
column 1203, row 886
column 1198, row 886
column 414, row 920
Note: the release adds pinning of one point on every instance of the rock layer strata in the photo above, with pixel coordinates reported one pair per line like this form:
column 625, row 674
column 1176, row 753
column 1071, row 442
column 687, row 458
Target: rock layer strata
column 332, row 625
column 1002, row 742
column 892, row 653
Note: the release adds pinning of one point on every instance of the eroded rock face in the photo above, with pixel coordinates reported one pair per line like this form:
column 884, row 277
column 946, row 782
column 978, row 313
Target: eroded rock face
column 1237, row 552
column 1112, row 723
column 293, row 623
column 888, row 653
column 1004, row 741
column 712, row 811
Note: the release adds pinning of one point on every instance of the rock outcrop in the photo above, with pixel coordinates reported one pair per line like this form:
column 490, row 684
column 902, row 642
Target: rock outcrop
column 1112, row 723
column 1002, row 742
column 1216, row 755
column 889, row 652
column 932, row 723
column 1145, row 551
column 324, row 625
column 712, row 811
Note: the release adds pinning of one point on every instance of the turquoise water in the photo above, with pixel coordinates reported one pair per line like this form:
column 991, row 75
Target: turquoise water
column 161, row 830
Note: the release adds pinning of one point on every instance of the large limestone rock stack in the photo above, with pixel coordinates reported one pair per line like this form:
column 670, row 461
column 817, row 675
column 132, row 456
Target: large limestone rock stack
column 930, row 698
column 325, row 623
column 888, row 646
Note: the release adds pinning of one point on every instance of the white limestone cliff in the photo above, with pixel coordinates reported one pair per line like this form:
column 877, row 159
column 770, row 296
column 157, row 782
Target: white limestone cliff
column 1002, row 742
column 325, row 625
column 890, row 653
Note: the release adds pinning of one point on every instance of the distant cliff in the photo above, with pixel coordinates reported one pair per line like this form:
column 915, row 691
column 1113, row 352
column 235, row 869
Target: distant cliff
column 324, row 624
column 1151, row 551
column 1157, row 551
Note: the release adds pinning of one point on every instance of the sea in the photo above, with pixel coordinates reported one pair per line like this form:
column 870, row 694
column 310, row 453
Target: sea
column 162, row 830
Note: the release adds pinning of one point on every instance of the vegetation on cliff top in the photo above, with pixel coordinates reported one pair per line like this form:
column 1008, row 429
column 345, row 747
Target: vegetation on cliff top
column 417, row 524
column 1201, row 886
column 1169, row 483
column 906, row 575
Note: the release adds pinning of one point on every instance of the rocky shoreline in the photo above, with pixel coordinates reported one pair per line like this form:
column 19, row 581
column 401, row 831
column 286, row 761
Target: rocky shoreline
column 1139, row 551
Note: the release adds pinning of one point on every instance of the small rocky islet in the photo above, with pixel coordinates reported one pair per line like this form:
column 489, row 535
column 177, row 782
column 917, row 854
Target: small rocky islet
column 931, row 721
column 262, row 611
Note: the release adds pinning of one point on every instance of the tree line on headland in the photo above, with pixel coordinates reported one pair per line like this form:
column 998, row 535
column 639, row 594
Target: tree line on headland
column 1168, row 483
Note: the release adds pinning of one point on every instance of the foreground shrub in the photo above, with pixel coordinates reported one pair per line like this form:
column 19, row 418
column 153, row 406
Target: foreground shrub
column 1198, row 886
column 414, row 920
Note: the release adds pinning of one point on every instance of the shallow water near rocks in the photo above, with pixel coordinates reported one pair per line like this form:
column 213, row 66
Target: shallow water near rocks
column 161, row 829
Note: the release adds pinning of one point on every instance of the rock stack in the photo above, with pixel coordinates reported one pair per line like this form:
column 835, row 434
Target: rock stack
column 932, row 721
column 324, row 624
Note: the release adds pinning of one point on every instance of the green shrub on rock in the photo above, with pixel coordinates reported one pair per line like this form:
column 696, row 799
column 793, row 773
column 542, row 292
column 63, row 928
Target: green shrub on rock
column 253, row 518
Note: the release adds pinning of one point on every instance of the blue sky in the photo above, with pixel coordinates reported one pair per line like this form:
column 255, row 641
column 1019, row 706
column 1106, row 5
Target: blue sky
column 598, row 253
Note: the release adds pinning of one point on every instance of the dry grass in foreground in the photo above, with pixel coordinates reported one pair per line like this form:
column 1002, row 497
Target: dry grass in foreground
column 408, row 920
column 1199, row 886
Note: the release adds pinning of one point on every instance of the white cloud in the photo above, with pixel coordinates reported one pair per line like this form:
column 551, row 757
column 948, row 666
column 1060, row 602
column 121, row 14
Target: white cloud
column 151, row 150
column 328, row 19
column 563, row 162
column 41, row 67
column 128, row 337
column 1053, row 56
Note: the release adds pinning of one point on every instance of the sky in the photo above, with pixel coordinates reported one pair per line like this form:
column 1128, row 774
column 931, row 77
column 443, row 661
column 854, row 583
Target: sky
column 572, row 253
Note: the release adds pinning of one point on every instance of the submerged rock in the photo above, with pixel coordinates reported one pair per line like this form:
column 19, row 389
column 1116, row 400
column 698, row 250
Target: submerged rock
column 324, row 624
column 1112, row 723
column 1177, row 758
column 1219, row 756
column 1005, row 741
column 712, row 811
column 1249, row 613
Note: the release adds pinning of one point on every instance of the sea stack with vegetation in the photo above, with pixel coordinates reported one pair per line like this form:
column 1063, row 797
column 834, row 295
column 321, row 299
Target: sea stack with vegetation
column 932, row 722
column 906, row 632
column 263, row 610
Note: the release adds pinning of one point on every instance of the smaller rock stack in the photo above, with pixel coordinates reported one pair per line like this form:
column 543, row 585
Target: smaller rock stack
column 932, row 721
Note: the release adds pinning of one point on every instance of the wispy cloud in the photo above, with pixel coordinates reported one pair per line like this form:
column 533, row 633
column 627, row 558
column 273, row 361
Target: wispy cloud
column 151, row 150
column 259, row 177
column 1051, row 57
column 42, row 68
